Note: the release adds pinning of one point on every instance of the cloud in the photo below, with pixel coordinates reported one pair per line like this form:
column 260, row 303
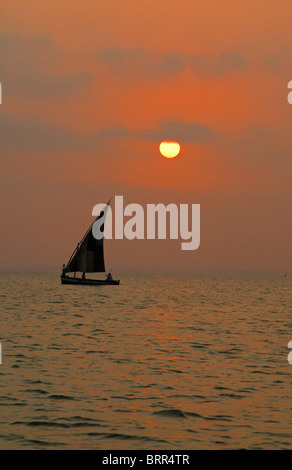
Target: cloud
column 122, row 60
column 277, row 62
column 27, row 64
column 34, row 84
column 139, row 62
column 231, row 61
column 33, row 135
column 168, row 64
column 29, row 134
column 187, row 132
column 15, row 46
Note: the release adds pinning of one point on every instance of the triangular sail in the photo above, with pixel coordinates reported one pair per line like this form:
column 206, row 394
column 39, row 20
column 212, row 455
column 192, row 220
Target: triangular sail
column 88, row 256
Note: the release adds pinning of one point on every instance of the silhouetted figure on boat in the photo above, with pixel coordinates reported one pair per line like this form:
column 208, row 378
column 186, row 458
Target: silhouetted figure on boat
column 83, row 276
column 109, row 277
column 64, row 271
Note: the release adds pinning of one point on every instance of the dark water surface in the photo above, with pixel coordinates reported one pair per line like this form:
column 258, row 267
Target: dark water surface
column 159, row 362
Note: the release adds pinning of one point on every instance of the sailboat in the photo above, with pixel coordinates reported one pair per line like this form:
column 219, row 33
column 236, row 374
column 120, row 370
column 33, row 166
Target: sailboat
column 88, row 257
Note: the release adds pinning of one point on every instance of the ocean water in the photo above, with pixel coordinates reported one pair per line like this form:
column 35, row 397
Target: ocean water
column 159, row 362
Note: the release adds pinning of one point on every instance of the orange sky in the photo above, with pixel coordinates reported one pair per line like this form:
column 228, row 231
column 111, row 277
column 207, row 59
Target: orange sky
column 90, row 89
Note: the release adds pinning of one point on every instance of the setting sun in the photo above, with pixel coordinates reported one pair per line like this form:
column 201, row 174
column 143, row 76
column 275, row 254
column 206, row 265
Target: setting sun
column 169, row 149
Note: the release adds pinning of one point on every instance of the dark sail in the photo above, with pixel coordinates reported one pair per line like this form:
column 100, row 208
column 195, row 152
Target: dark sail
column 88, row 256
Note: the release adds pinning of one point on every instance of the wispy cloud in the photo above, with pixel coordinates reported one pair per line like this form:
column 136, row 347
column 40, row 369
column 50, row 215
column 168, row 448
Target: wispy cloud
column 187, row 132
column 28, row 67
column 34, row 135
column 230, row 61
column 30, row 134
column 139, row 62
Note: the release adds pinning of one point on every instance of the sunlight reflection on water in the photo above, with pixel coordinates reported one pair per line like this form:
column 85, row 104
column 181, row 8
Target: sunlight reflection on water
column 159, row 362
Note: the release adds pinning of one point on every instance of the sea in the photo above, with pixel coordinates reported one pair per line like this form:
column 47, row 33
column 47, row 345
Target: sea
column 161, row 362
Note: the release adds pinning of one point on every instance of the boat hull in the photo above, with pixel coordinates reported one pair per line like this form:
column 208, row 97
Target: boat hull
column 88, row 282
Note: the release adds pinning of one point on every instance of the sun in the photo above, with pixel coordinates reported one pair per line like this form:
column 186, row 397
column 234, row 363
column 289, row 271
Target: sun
column 169, row 148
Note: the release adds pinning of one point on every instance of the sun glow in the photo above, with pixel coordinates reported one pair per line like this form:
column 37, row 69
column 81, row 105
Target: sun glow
column 169, row 149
